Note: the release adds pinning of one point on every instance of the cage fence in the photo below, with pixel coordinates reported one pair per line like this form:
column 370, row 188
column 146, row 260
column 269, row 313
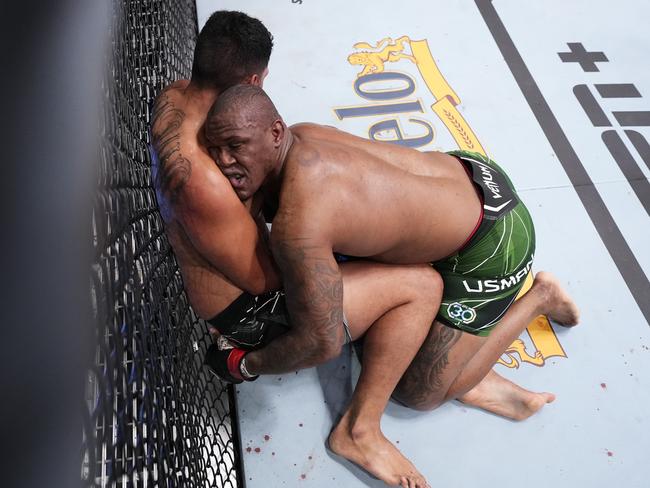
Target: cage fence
column 153, row 416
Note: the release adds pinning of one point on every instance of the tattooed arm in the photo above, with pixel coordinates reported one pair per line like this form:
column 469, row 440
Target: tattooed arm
column 171, row 169
column 194, row 194
column 304, row 232
column 314, row 291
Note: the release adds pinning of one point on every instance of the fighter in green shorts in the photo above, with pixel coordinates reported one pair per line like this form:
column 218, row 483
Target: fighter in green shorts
column 483, row 278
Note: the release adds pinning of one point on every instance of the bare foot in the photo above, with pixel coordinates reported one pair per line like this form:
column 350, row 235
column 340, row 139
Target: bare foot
column 502, row 397
column 558, row 306
column 369, row 449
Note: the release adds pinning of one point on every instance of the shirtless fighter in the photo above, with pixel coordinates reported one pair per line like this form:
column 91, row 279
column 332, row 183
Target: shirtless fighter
column 335, row 192
column 227, row 269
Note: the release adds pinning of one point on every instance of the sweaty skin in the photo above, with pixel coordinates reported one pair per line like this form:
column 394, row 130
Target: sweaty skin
column 336, row 192
column 344, row 194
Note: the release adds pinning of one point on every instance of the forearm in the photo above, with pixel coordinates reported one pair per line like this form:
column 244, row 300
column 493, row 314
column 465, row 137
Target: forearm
column 314, row 293
column 289, row 352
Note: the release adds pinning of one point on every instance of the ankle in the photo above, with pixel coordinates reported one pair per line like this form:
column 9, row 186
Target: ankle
column 544, row 292
column 363, row 430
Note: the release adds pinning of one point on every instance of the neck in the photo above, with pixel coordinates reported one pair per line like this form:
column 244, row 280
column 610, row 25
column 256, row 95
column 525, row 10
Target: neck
column 274, row 180
column 287, row 144
column 202, row 98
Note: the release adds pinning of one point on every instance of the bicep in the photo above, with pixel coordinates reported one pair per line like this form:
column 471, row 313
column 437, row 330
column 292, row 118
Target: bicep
column 225, row 234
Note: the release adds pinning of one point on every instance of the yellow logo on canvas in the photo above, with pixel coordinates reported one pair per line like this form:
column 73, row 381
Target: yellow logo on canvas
column 396, row 102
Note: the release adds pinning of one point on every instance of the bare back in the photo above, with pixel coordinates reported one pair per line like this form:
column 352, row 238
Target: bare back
column 378, row 200
column 216, row 241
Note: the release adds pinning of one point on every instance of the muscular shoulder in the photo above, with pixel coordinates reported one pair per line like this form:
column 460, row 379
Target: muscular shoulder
column 307, row 165
column 313, row 190
column 167, row 105
column 317, row 157
column 308, row 130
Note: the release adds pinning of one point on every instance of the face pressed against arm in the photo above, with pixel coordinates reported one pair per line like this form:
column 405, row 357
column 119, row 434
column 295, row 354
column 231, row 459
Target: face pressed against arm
column 247, row 140
column 234, row 144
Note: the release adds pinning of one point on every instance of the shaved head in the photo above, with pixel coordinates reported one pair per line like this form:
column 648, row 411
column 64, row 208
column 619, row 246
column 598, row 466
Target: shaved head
column 245, row 136
column 249, row 102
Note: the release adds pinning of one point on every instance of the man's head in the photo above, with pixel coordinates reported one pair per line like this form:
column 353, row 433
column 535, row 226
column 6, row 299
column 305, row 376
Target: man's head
column 245, row 136
column 232, row 48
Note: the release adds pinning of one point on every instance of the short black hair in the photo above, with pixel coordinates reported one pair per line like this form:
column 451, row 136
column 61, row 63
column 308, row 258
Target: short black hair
column 230, row 47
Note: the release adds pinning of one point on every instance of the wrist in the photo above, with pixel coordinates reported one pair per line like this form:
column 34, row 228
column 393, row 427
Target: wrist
column 244, row 371
column 253, row 363
column 237, row 365
column 233, row 362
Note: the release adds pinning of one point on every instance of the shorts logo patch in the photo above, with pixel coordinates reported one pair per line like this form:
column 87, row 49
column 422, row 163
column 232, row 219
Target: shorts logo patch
column 458, row 311
column 502, row 284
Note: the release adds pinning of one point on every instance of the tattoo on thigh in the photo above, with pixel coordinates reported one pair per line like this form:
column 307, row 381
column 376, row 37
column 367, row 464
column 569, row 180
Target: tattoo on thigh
column 422, row 383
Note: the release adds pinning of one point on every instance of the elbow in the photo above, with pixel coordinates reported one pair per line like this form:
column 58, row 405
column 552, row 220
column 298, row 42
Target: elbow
column 328, row 349
column 329, row 354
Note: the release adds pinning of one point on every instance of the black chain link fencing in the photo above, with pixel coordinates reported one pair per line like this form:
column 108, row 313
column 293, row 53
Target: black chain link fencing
column 154, row 416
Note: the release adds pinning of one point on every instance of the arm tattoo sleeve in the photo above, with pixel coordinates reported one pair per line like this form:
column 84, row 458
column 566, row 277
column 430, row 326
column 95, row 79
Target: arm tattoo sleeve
column 173, row 169
column 314, row 291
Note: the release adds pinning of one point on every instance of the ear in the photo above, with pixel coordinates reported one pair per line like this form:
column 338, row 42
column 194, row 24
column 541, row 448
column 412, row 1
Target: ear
column 258, row 79
column 255, row 80
column 250, row 80
column 277, row 132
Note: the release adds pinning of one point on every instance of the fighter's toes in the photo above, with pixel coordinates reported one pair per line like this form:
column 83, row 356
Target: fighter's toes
column 413, row 480
column 407, row 482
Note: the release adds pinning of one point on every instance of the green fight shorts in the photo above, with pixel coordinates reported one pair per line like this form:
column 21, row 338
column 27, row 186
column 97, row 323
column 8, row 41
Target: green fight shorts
column 483, row 278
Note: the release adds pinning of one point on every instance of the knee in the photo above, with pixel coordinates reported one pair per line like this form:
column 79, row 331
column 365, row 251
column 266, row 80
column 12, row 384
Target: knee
column 426, row 407
column 416, row 400
column 426, row 282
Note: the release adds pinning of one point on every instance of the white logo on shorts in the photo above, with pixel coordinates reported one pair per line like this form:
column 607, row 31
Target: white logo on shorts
column 461, row 312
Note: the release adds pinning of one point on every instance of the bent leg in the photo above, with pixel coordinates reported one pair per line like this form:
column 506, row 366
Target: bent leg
column 451, row 363
column 394, row 306
column 546, row 297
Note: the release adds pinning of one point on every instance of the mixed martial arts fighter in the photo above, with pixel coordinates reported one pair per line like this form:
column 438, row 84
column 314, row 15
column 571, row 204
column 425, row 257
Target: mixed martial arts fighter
column 331, row 192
